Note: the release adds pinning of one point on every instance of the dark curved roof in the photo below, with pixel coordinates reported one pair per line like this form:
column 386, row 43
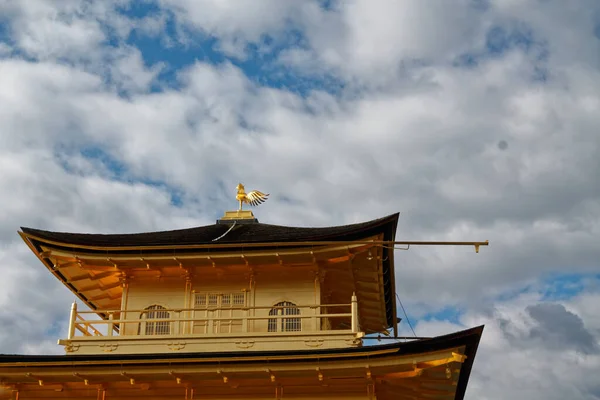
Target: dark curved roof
column 468, row 338
column 245, row 233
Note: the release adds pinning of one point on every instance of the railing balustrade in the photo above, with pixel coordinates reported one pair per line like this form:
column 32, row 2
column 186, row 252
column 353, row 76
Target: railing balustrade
column 183, row 321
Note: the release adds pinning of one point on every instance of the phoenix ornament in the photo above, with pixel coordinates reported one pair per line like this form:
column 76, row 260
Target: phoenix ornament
column 252, row 198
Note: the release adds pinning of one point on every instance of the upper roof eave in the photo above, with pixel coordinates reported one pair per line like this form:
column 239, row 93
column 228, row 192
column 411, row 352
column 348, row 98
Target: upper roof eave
column 206, row 235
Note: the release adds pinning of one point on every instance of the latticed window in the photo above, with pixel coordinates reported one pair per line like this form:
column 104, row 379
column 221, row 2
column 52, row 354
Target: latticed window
column 238, row 299
column 284, row 324
column 156, row 327
column 218, row 306
column 224, row 300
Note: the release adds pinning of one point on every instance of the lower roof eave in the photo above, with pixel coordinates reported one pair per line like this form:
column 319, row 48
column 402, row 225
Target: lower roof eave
column 469, row 338
column 459, row 345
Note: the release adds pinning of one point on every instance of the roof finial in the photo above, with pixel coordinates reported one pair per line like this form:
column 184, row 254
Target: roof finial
column 253, row 198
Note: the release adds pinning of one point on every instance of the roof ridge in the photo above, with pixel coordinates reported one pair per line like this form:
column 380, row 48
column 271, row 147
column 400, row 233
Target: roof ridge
column 182, row 230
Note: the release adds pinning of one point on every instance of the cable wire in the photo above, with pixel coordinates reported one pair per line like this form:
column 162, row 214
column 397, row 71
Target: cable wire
column 406, row 315
column 228, row 230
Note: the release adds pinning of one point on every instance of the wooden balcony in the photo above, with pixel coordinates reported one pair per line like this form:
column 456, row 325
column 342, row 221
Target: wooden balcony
column 214, row 329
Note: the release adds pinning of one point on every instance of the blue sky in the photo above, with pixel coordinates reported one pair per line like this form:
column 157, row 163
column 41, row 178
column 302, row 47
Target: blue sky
column 477, row 120
column 259, row 60
column 553, row 287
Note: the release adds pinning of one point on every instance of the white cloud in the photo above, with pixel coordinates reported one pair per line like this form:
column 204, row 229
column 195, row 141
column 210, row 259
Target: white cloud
column 44, row 29
column 519, row 356
column 5, row 49
column 237, row 23
column 130, row 73
column 422, row 139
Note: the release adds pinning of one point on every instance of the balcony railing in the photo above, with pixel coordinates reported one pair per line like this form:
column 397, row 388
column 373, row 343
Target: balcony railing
column 215, row 321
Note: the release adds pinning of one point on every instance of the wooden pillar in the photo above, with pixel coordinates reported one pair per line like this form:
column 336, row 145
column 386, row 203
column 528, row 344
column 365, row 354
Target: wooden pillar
column 187, row 325
column 72, row 319
column 245, row 321
column 111, row 326
column 124, row 300
column 252, row 301
column 176, row 325
column 354, row 311
column 317, row 321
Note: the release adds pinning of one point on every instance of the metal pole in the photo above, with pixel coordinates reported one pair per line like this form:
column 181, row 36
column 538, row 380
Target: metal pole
column 292, row 244
column 397, row 338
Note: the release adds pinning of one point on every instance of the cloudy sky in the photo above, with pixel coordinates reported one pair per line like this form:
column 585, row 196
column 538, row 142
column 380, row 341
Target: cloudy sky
column 476, row 119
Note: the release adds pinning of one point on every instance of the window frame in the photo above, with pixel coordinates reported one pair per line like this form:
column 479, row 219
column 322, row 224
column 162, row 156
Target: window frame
column 155, row 328
column 284, row 308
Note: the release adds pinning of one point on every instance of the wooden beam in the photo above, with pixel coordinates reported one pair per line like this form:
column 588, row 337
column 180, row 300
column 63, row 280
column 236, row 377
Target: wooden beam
column 104, row 296
column 99, row 268
column 101, row 275
column 85, row 379
column 99, row 286
column 67, row 264
column 401, row 375
column 77, row 278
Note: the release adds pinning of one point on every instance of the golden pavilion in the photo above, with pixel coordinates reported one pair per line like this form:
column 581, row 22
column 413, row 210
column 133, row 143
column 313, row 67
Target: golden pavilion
column 236, row 310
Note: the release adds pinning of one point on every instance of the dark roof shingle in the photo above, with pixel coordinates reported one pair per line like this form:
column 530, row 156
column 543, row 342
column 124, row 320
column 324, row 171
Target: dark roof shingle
column 247, row 233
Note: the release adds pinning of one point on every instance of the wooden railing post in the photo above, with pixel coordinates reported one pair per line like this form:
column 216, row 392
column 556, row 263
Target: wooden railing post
column 176, row 324
column 72, row 319
column 124, row 301
column 354, row 312
column 245, row 321
column 210, row 323
column 111, row 325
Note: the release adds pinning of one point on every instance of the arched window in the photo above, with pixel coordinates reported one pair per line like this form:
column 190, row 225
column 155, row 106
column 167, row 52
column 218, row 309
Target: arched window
column 285, row 324
column 156, row 327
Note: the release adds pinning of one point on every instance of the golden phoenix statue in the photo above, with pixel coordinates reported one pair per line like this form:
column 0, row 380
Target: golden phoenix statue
column 253, row 198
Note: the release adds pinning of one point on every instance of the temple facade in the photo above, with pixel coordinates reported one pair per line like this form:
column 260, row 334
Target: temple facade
column 235, row 310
